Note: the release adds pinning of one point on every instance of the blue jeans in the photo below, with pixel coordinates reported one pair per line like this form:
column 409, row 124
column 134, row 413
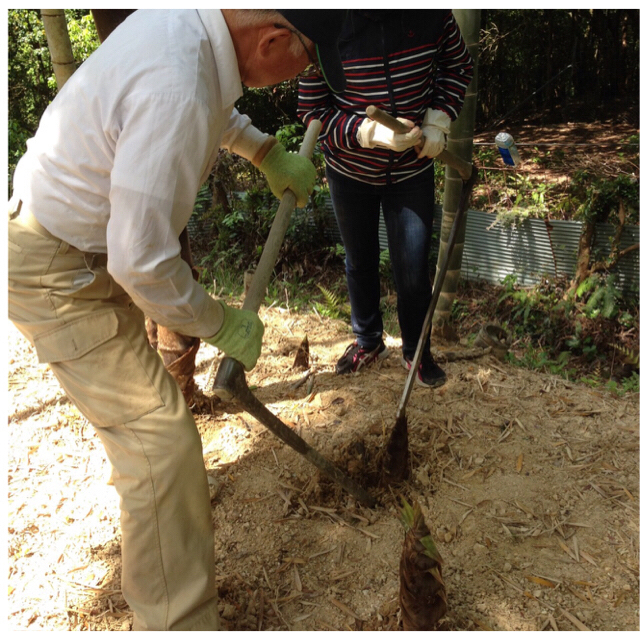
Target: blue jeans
column 407, row 208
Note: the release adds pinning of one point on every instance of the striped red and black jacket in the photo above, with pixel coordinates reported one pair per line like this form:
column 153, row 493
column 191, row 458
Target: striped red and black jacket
column 402, row 61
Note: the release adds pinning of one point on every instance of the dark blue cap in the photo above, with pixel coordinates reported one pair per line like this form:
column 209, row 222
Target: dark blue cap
column 322, row 27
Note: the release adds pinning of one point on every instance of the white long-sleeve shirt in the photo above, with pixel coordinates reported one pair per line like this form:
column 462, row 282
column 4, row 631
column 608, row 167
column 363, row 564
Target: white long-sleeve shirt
column 121, row 152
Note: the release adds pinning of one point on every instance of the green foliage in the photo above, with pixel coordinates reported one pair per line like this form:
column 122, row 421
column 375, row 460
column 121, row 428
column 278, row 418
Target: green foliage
column 271, row 108
column 291, row 136
column 599, row 198
column 233, row 239
column 515, row 197
column 603, row 298
column 439, row 171
column 580, row 343
column 617, row 387
column 238, row 235
column 331, row 298
column 563, row 331
column 388, row 303
column 386, row 273
column 630, row 384
column 521, row 199
column 528, row 306
column 540, row 360
column 333, row 305
column 339, row 251
column 82, row 33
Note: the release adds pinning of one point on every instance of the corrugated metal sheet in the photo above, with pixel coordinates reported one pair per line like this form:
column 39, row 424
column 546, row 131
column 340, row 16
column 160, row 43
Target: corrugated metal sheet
column 529, row 251
column 534, row 249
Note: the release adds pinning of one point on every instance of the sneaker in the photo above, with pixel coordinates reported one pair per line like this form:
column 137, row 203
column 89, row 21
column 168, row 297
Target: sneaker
column 430, row 375
column 355, row 357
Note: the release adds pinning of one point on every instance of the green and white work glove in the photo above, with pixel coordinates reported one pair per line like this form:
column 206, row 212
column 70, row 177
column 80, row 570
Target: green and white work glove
column 284, row 170
column 435, row 127
column 372, row 134
column 240, row 336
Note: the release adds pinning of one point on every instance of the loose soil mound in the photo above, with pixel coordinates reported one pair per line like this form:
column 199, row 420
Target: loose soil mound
column 529, row 485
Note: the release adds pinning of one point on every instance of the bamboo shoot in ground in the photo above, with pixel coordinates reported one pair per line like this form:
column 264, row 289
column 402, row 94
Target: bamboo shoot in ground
column 423, row 598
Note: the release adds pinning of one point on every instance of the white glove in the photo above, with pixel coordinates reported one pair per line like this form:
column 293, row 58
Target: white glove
column 373, row 134
column 434, row 128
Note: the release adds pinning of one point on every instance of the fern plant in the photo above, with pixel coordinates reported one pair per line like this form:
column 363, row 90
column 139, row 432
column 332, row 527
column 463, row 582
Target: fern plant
column 629, row 356
column 333, row 306
column 604, row 299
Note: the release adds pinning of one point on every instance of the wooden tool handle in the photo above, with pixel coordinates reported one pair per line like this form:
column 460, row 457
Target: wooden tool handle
column 387, row 120
column 260, row 280
column 460, row 165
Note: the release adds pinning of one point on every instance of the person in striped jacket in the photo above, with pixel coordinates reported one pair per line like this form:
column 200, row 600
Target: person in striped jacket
column 414, row 65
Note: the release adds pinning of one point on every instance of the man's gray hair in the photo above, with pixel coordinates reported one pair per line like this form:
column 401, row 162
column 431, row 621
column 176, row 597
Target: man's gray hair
column 260, row 17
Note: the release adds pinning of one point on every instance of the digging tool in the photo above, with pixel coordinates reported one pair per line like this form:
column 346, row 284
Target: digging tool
column 230, row 381
column 395, row 462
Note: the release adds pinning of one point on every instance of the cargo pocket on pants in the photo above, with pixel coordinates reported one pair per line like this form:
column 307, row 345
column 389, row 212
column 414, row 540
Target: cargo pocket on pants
column 99, row 369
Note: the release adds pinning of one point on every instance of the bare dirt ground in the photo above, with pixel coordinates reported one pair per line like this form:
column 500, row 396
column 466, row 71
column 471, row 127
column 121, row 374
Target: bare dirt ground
column 528, row 483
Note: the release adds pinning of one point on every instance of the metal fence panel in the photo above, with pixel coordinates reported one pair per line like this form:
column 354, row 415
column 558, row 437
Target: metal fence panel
column 530, row 251
column 535, row 249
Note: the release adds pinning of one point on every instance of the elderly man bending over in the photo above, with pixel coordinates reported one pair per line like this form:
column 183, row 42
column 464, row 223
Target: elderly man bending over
column 100, row 198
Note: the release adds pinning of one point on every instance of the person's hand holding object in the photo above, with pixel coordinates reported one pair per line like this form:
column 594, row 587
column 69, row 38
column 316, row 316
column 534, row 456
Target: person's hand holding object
column 284, row 170
column 240, row 336
column 435, row 127
column 373, row 134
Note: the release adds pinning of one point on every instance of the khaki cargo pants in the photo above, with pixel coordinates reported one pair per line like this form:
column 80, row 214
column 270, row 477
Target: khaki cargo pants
column 86, row 327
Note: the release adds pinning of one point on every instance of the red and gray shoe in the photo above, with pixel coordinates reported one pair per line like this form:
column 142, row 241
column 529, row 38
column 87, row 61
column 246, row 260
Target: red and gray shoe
column 430, row 375
column 356, row 357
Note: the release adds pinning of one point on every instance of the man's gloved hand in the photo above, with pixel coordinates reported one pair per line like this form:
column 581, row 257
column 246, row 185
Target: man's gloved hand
column 240, row 336
column 373, row 134
column 285, row 170
column 435, row 127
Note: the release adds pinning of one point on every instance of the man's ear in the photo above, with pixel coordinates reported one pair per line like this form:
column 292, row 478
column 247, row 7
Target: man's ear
column 273, row 39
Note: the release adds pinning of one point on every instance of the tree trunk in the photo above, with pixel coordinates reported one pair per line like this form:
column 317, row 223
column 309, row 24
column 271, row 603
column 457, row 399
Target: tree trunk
column 108, row 19
column 461, row 143
column 55, row 28
column 583, row 262
column 178, row 351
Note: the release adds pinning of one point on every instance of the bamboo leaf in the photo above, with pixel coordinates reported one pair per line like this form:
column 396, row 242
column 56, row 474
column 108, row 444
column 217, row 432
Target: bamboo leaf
column 406, row 514
column 430, row 549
